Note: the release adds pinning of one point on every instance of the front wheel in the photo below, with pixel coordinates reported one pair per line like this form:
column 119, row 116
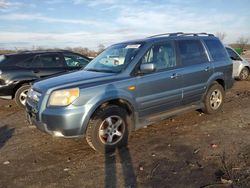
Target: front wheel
column 108, row 129
column 21, row 95
column 214, row 99
column 244, row 74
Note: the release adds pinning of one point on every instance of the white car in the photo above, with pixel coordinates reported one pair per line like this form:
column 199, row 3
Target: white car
column 241, row 67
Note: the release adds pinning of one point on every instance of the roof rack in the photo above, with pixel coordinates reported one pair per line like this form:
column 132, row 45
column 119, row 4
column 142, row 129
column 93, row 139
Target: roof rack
column 163, row 34
column 181, row 34
column 198, row 34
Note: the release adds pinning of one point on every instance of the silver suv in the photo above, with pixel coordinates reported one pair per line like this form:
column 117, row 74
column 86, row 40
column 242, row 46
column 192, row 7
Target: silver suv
column 133, row 84
column 241, row 67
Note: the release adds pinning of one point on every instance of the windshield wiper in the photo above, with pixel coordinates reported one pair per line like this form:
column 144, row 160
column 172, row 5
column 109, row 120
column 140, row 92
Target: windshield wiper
column 94, row 70
column 101, row 70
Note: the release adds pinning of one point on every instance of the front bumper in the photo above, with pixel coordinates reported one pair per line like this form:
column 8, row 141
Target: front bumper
column 64, row 122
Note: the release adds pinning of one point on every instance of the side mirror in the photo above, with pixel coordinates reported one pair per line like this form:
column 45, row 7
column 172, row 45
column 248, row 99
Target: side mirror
column 147, row 68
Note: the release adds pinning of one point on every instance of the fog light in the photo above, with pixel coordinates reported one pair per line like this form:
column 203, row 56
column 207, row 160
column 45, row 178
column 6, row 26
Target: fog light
column 58, row 134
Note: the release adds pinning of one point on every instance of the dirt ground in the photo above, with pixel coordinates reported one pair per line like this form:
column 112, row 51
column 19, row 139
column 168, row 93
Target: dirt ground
column 189, row 150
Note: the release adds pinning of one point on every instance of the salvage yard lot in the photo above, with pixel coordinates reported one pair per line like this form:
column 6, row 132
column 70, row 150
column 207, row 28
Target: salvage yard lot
column 189, row 150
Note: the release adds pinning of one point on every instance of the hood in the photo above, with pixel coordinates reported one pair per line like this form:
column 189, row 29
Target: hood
column 78, row 78
column 246, row 62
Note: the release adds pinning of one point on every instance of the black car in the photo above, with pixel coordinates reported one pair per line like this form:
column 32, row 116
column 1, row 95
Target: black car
column 19, row 70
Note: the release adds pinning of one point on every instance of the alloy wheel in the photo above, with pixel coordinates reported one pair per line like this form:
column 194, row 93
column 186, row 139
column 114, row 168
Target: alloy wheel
column 111, row 130
column 23, row 97
column 215, row 99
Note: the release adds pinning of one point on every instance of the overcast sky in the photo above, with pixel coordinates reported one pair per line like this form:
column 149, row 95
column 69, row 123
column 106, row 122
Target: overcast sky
column 88, row 23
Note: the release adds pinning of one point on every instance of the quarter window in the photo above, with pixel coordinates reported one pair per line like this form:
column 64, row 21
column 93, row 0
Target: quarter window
column 162, row 55
column 216, row 49
column 191, row 52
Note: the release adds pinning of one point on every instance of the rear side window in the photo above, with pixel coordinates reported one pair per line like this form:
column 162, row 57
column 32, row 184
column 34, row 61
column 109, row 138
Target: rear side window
column 26, row 63
column 191, row 52
column 216, row 49
column 48, row 61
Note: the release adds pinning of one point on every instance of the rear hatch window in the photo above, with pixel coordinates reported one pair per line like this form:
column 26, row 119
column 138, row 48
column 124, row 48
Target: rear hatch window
column 11, row 60
column 5, row 60
column 2, row 58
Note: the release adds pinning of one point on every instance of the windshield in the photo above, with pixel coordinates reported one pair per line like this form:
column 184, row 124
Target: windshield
column 114, row 59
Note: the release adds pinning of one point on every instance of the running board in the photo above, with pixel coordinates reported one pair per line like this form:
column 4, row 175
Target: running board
column 164, row 115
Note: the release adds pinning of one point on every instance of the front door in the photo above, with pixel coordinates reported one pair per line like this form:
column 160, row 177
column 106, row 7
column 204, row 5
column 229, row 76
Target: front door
column 162, row 89
column 237, row 61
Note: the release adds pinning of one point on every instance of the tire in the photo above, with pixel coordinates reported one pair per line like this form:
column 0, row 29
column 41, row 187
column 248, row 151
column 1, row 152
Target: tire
column 244, row 74
column 103, row 125
column 214, row 99
column 21, row 95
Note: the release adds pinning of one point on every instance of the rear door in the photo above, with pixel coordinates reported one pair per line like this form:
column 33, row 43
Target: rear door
column 162, row 89
column 48, row 64
column 196, row 69
column 220, row 59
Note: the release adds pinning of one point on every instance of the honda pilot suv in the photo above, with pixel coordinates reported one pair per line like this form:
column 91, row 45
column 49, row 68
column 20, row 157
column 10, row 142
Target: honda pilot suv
column 19, row 70
column 131, row 85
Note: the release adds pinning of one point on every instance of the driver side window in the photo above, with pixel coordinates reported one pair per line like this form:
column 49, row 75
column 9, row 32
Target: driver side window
column 162, row 55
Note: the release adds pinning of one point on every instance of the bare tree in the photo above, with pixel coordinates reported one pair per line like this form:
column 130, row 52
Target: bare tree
column 221, row 35
column 101, row 48
column 242, row 42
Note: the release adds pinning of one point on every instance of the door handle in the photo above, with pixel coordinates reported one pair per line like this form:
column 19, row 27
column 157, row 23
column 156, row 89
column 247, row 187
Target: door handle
column 175, row 76
column 207, row 69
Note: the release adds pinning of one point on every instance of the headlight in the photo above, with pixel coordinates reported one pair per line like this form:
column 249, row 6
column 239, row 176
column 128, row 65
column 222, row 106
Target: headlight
column 63, row 97
column 33, row 95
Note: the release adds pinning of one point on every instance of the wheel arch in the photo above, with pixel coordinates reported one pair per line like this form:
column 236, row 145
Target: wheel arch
column 119, row 101
column 216, row 78
column 248, row 67
column 221, row 82
column 20, row 84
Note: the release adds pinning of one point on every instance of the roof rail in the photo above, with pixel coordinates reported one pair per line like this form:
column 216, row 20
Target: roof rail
column 197, row 34
column 163, row 34
column 181, row 34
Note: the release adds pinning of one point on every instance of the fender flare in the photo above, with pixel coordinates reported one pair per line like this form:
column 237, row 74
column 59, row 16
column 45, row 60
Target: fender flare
column 100, row 100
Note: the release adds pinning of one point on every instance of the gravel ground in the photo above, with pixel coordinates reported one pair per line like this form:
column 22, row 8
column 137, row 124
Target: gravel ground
column 189, row 150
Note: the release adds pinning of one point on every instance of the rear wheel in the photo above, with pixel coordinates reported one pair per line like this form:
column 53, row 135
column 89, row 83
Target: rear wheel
column 244, row 74
column 21, row 95
column 214, row 99
column 108, row 129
